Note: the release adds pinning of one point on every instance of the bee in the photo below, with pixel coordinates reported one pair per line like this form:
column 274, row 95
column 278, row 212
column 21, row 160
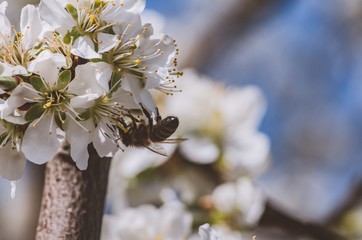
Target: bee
column 141, row 133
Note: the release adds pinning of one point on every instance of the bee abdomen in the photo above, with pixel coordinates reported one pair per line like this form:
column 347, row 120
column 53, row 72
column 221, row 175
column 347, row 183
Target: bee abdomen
column 164, row 129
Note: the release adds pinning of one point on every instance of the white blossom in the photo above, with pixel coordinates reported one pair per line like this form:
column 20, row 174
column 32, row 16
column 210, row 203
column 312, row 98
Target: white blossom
column 17, row 49
column 208, row 233
column 223, row 125
column 170, row 222
column 86, row 21
column 74, row 71
column 242, row 198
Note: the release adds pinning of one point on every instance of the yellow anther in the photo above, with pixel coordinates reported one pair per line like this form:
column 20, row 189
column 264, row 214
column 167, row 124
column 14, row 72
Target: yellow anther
column 92, row 17
column 138, row 61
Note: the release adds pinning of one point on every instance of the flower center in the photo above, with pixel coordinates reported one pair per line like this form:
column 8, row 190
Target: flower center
column 14, row 52
column 88, row 16
column 12, row 133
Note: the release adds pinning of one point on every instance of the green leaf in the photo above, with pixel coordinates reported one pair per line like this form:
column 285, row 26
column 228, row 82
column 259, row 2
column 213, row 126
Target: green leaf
column 115, row 82
column 8, row 83
column 34, row 112
column 2, row 137
column 98, row 3
column 72, row 11
column 37, row 84
column 72, row 36
column 59, row 120
column 64, row 79
column 84, row 115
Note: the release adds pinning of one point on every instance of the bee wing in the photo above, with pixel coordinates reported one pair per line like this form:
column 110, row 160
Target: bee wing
column 157, row 148
column 174, row 140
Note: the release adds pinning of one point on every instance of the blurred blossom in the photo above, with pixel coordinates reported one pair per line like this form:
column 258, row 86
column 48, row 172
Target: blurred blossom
column 223, row 125
column 241, row 199
column 158, row 21
column 146, row 222
column 216, row 232
column 207, row 233
column 132, row 161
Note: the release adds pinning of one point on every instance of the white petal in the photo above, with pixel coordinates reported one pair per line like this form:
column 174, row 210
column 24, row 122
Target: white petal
column 106, row 42
column 91, row 78
column 157, row 42
column 129, row 27
column 207, row 233
column 5, row 28
column 200, row 150
column 250, row 201
column 104, row 146
column 135, row 160
column 84, row 101
column 224, row 197
column 247, row 152
column 30, row 26
column 47, row 65
column 158, row 21
column 3, row 7
column 175, row 221
column 40, row 142
column 124, row 98
column 12, row 163
column 9, row 70
column 134, row 6
column 115, row 12
column 140, row 95
column 16, row 99
column 84, row 48
column 243, row 107
column 55, row 14
column 79, row 140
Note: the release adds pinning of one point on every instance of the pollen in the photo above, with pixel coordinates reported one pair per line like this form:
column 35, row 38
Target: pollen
column 49, row 103
column 92, row 17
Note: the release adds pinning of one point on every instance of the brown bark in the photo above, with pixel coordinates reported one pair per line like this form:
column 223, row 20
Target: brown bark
column 73, row 200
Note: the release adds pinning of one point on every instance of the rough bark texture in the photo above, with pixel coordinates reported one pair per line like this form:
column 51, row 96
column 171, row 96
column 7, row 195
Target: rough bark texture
column 73, row 200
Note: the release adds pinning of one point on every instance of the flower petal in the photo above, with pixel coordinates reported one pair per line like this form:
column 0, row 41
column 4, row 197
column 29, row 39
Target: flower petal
column 54, row 13
column 30, row 26
column 47, row 65
column 207, row 233
column 79, row 140
column 200, row 150
column 12, row 163
column 18, row 98
column 40, row 142
column 3, row 7
column 104, row 146
column 84, row 48
column 106, row 42
column 84, row 101
column 134, row 6
column 9, row 70
column 246, row 152
column 91, row 78
column 140, row 95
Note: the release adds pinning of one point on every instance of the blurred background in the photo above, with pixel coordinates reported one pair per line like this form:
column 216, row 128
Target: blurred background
column 306, row 58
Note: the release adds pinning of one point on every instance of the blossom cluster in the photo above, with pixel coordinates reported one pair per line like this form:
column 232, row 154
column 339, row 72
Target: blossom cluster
column 210, row 177
column 72, row 71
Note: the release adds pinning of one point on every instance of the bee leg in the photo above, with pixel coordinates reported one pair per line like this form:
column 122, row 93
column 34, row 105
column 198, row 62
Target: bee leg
column 134, row 120
column 158, row 116
column 119, row 146
column 148, row 115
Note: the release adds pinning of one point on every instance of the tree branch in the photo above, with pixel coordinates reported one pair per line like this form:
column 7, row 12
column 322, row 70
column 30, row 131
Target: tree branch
column 73, row 200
